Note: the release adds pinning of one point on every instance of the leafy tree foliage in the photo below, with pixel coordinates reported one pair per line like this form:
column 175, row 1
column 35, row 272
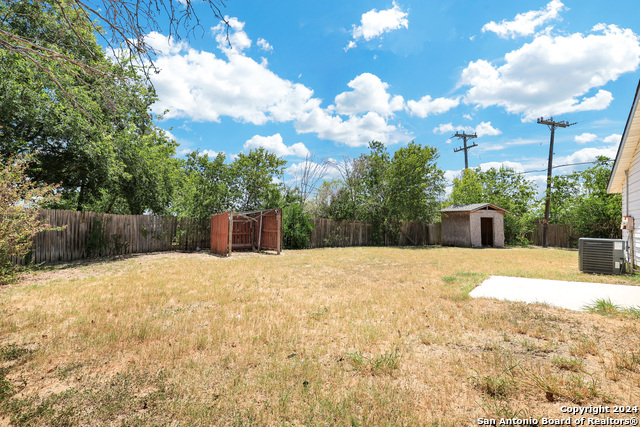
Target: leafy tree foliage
column 384, row 189
column 20, row 200
column 105, row 151
column 122, row 26
column 467, row 188
column 502, row 187
column 415, row 183
column 581, row 199
column 211, row 185
column 256, row 176
column 204, row 188
column 296, row 222
column 332, row 200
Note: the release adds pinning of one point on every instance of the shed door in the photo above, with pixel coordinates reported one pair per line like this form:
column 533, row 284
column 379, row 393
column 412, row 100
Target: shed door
column 486, row 231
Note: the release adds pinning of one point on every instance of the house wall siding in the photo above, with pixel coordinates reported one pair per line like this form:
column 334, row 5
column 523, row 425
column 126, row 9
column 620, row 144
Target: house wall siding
column 634, row 204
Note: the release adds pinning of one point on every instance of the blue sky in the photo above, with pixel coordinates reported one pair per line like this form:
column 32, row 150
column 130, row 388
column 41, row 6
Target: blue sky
column 325, row 78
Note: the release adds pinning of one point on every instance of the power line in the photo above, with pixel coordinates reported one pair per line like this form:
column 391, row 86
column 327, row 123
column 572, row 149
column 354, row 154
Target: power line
column 568, row 164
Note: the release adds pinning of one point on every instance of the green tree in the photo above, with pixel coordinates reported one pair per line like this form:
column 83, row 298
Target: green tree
column 347, row 195
column 105, row 151
column 512, row 191
column 564, row 191
column 375, row 187
column 256, row 180
column 415, row 184
column 581, row 199
column 402, row 187
column 122, row 26
column 467, row 188
column 20, row 200
column 384, row 189
column 205, row 186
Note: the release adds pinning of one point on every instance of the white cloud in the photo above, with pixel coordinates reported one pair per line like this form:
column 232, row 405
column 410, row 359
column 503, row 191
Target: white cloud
column 164, row 45
column 374, row 23
column 516, row 166
column 492, row 147
column 426, row 106
column 614, row 138
column 450, row 175
column 235, row 40
column 369, row 94
column 588, row 154
column 201, row 86
column 264, row 45
column 331, row 171
column 210, row 153
column 585, row 138
column 484, row 128
column 555, row 75
column 356, row 131
column 502, row 146
column 446, row 128
column 168, row 135
column 275, row 145
column 525, row 24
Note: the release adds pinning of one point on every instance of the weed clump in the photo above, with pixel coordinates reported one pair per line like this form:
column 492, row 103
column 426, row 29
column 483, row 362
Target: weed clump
column 568, row 364
column 383, row 364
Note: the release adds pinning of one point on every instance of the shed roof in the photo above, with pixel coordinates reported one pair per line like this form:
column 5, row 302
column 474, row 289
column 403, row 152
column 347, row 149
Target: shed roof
column 473, row 207
column 628, row 145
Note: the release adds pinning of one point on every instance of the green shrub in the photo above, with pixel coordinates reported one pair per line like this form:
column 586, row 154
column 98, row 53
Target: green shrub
column 297, row 227
column 20, row 200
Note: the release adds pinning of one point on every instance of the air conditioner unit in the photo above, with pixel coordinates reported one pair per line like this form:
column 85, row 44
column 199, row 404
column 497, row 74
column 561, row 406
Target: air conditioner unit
column 604, row 256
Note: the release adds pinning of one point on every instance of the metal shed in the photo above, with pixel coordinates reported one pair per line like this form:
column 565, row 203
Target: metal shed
column 248, row 231
column 472, row 226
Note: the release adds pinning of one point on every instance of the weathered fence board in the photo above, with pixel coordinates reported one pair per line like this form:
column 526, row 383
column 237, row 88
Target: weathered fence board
column 559, row 235
column 220, row 237
column 85, row 234
column 327, row 232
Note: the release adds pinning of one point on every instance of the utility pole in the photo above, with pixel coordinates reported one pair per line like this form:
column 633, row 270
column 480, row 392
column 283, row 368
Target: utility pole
column 464, row 137
column 547, row 204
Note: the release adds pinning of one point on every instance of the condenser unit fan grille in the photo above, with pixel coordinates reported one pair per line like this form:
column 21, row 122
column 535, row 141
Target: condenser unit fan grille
column 604, row 256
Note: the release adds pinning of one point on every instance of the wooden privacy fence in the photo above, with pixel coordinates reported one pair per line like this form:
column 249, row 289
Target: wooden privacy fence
column 88, row 234
column 327, row 232
column 559, row 235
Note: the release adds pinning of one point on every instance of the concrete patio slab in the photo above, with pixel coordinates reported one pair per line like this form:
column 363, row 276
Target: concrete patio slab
column 570, row 295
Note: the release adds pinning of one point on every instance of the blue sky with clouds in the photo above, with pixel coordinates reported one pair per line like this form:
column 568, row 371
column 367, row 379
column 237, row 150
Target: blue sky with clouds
column 325, row 78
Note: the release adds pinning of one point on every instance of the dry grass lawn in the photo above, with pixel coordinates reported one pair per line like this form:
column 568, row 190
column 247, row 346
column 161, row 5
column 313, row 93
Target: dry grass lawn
column 347, row 336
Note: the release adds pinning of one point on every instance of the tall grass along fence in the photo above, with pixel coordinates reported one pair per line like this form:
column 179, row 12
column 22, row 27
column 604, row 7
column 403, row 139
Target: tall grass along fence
column 327, row 232
column 89, row 234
